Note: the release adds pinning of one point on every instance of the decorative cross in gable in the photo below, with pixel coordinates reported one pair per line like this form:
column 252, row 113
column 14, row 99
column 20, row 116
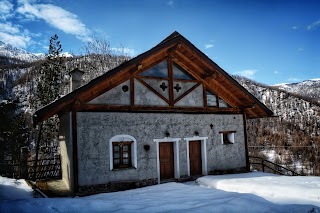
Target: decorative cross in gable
column 163, row 86
column 177, row 87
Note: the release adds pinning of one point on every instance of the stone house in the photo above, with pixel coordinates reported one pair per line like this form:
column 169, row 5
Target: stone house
column 168, row 113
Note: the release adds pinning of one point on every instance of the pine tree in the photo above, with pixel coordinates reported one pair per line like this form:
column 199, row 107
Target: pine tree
column 51, row 74
column 50, row 84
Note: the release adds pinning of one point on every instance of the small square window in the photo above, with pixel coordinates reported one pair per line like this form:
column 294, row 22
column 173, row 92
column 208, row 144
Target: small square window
column 227, row 137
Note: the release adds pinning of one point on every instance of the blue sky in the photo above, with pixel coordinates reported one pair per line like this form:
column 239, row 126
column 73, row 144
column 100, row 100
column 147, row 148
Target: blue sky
column 272, row 41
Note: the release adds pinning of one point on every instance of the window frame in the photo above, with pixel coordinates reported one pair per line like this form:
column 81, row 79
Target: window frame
column 122, row 152
column 133, row 154
column 227, row 137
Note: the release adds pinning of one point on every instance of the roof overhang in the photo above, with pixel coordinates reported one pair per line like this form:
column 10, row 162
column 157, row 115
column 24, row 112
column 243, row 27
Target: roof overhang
column 180, row 50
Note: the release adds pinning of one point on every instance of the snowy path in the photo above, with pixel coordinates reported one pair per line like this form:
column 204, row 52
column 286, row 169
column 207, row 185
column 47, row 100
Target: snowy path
column 169, row 197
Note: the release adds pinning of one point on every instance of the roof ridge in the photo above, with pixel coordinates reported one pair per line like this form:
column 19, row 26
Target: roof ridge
column 170, row 37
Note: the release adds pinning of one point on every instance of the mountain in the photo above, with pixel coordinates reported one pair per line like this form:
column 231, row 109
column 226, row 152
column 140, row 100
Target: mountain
column 292, row 137
column 8, row 51
column 16, row 54
column 287, row 105
column 309, row 88
column 13, row 57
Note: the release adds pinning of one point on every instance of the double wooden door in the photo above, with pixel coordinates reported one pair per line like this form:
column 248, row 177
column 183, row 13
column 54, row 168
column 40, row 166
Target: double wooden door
column 195, row 157
column 166, row 158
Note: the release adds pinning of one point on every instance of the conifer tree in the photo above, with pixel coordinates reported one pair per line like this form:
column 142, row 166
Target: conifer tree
column 50, row 83
column 51, row 74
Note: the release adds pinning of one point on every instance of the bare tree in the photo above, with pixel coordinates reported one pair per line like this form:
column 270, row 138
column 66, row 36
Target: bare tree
column 99, row 57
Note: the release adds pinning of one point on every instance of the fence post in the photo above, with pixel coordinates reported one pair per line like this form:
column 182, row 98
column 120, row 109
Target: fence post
column 262, row 164
column 37, row 150
column 24, row 162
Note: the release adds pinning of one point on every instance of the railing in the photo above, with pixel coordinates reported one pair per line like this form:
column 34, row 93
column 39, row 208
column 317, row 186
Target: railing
column 268, row 166
column 45, row 169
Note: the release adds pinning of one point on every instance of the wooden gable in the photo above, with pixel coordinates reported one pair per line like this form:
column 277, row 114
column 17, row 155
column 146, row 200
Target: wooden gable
column 174, row 76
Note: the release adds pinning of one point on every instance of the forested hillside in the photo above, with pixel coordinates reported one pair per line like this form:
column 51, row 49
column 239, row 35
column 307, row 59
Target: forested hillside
column 292, row 137
column 27, row 84
column 308, row 88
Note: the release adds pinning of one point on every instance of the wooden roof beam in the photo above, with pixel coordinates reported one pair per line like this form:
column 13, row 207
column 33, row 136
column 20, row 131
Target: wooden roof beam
column 151, row 61
column 193, row 52
column 126, row 74
column 195, row 55
column 209, row 81
column 106, row 85
column 103, row 107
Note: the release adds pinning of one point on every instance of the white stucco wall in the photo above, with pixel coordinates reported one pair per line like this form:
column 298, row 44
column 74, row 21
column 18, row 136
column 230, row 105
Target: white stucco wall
column 66, row 150
column 95, row 129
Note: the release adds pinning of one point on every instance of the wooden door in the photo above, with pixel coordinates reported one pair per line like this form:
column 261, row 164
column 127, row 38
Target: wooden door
column 166, row 160
column 195, row 157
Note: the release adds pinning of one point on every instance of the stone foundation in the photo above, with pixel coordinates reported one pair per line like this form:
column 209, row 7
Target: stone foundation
column 228, row 171
column 115, row 186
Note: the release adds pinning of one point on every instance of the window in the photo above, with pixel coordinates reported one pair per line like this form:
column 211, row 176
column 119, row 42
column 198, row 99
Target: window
column 215, row 101
column 159, row 70
column 227, row 137
column 223, row 104
column 122, row 154
column 211, row 99
column 180, row 73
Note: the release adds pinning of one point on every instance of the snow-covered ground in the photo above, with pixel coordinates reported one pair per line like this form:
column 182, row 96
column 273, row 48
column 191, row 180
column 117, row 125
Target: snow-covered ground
column 251, row 192
column 12, row 189
column 274, row 188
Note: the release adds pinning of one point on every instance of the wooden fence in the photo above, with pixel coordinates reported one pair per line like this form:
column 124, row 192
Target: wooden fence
column 43, row 169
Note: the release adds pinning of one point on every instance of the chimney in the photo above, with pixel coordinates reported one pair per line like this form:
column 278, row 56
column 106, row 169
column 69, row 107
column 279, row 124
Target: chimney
column 75, row 79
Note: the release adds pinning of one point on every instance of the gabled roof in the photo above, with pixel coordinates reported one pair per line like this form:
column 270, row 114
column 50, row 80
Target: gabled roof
column 175, row 46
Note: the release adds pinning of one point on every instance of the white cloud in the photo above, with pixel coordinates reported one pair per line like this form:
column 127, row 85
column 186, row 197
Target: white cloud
column 6, row 10
column 314, row 25
column 20, row 41
column 31, row 10
column 294, row 27
column 207, row 46
column 55, row 16
column 276, row 72
column 293, row 79
column 249, row 73
column 300, row 49
column 170, row 3
column 12, row 35
column 9, row 28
